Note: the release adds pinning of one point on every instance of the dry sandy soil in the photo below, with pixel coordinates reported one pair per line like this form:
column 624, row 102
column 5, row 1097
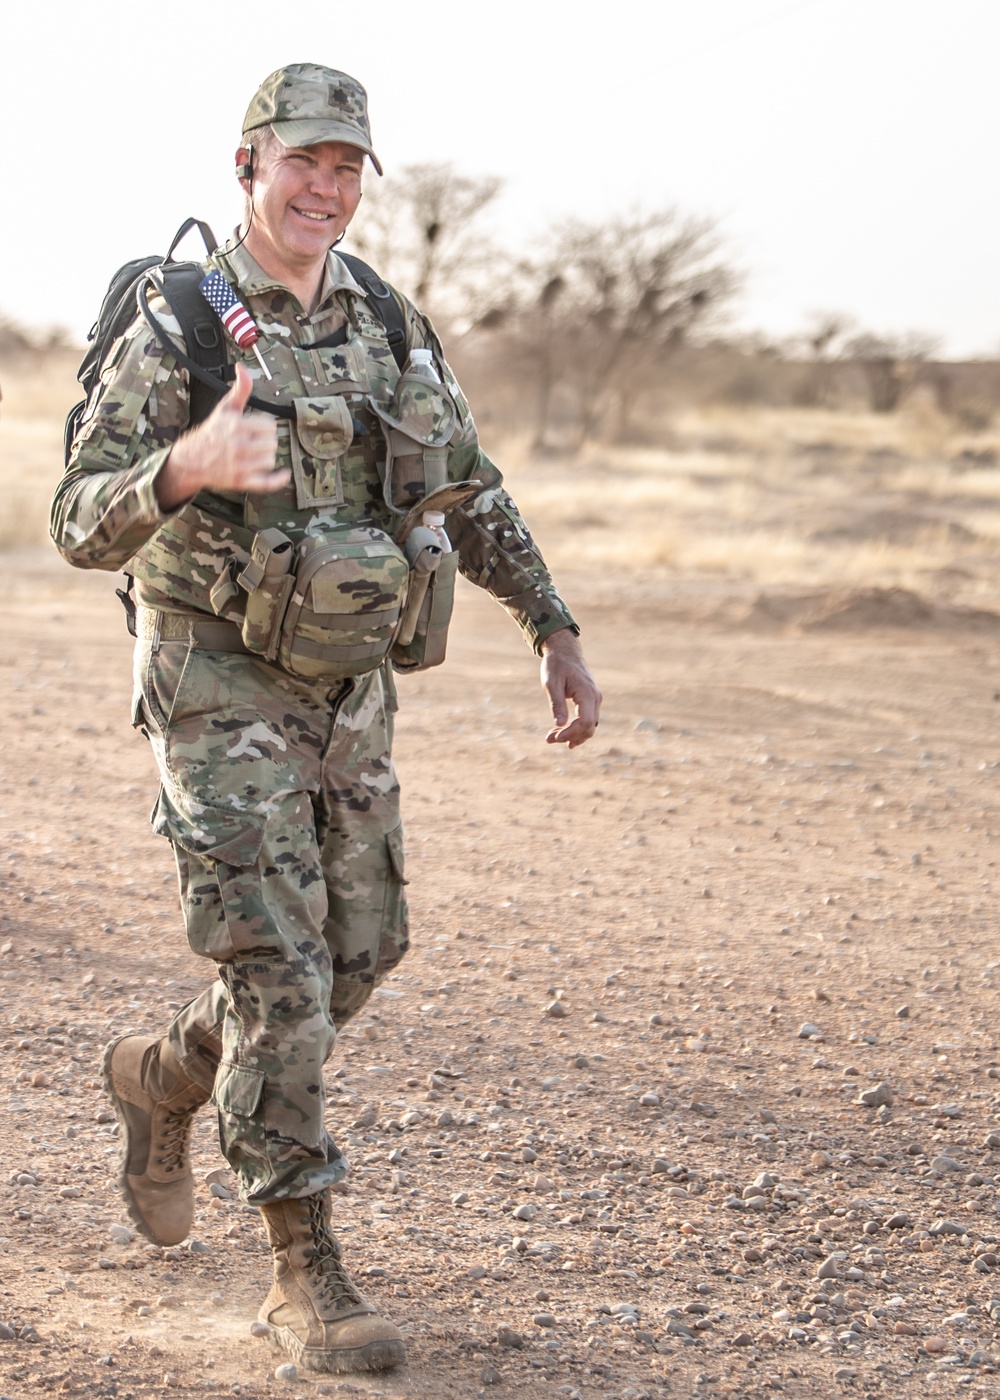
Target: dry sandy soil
column 605, row 1123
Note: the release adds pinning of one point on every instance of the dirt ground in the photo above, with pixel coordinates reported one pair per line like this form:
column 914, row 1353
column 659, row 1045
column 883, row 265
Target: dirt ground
column 604, row 1124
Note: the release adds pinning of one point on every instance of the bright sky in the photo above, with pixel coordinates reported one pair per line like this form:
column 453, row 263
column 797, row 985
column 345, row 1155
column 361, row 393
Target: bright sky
column 846, row 147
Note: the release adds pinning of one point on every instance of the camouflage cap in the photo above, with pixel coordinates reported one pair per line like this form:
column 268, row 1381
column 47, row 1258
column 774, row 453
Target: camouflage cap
column 305, row 104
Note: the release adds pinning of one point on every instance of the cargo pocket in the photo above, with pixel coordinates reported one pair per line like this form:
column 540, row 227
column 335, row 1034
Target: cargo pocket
column 214, row 833
column 238, row 1089
column 395, row 920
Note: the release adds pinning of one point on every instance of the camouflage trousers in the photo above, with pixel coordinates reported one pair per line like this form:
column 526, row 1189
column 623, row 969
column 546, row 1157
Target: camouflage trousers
column 281, row 803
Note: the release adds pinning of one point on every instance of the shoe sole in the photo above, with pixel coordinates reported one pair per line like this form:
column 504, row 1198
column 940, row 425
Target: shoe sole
column 134, row 1213
column 374, row 1356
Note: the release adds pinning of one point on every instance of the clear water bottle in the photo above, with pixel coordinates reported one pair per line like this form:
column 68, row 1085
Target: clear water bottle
column 434, row 520
column 420, row 365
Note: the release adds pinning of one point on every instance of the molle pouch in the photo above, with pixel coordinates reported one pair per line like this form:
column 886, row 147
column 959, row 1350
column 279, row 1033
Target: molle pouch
column 322, row 432
column 268, row 580
column 418, row 426
column 350, row 588
column 428, row 640
column 422, row 638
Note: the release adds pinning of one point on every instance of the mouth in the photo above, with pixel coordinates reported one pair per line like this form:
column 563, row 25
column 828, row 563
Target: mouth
column 315, row 215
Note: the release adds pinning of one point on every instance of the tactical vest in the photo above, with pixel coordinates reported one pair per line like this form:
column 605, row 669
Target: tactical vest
column 365, row 446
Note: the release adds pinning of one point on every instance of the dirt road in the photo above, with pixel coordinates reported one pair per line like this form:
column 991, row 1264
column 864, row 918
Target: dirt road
column 604, row 1124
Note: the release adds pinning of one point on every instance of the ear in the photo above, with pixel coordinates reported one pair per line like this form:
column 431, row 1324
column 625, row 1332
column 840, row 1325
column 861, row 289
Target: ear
column 244, row 166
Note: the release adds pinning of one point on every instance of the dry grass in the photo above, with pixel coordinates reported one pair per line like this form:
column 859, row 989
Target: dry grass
column 758, row 496
column 37, row 394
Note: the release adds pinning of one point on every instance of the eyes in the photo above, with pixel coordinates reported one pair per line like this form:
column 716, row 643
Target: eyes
column 345, row 170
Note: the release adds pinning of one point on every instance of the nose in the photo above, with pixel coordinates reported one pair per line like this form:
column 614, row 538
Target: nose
column 325, row 183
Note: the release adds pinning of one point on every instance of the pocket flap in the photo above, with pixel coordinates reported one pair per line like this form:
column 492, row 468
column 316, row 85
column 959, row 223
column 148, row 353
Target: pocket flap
column 220, row 833
column 394, row 842
column 324, row 426
column 238, row 1089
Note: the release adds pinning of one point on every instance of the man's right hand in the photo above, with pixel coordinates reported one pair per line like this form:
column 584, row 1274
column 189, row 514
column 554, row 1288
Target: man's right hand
column 229, row 451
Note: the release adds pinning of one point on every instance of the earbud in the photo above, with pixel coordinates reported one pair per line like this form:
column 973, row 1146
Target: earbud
column 244, row 171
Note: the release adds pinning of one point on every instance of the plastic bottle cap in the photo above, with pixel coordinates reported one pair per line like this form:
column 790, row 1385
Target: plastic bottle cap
column 422, row 357
column 433, row 518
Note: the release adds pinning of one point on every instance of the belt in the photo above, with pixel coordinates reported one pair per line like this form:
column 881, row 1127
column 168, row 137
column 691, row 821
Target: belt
column 207, row 633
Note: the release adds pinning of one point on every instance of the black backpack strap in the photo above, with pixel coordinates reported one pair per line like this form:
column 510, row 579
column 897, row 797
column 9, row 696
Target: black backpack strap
column 383, row 304
column 210, row 386
column 208, row 237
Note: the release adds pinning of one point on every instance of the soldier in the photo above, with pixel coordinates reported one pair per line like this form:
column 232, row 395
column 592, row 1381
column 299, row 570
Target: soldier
column 278, row 793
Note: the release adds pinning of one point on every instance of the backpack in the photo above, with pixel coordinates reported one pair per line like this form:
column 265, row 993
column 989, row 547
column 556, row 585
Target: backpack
column 207, row 360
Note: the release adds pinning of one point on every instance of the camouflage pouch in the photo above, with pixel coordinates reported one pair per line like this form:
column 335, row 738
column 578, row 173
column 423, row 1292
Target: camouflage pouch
column 417, row 426
column 429, row 641
column 422, row 637
column 322, row 433
column 350, row 587
column 268, row 580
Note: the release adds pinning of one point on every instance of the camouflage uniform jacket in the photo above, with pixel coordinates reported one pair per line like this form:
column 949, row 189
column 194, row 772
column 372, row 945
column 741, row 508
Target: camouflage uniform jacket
column 105, row 514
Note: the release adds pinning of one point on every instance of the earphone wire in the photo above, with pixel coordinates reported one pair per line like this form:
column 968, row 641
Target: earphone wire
column 243, row 237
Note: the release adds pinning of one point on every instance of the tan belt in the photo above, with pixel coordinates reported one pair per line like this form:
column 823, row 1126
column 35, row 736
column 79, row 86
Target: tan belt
column 206, row 633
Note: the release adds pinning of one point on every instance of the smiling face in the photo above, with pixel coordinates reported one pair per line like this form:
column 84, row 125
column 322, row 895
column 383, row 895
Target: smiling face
column 303, row 199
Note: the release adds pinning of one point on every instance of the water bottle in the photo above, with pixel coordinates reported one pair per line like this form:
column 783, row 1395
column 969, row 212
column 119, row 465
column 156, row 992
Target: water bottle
column 420, row 365
column 434, row 520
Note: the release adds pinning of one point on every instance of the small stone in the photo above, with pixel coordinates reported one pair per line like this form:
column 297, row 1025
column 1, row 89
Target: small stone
column 528, row 1154
column 507, row 1337
column 259, row 1329
column 904, row 1329
column 477, row 1271
column 557, row 1010
column 830, row 1267
column 287, row 1372
column 489, row 1375
column 121, row 1234
column 40, row 1080
column 947, row 1227
column 460, row 1198
column 525, row 1212
column 221, row 1193
column 650, row 1100
column 660, row 1165
column 445, row 1119
column 875, row 1098
column 69, row 1193
column 944, row 1163
column 6, row 1333
column 544, row 1319
column 807, row 1029
column 899, row 1221
column 542, row 1185
column 992, row 1140
column 935, row 1344
column 199, row 1247
column 902, row 1012
column 743, row 1339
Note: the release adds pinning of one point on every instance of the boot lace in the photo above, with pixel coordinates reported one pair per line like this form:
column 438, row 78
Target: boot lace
column 172, row 1138
column 336, row 1284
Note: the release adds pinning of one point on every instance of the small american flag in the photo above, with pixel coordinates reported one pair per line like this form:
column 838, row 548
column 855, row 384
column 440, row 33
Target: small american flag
column 233, row 314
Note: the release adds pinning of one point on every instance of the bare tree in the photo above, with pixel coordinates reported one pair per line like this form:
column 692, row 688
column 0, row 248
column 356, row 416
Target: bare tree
column 890, row 365
column 608, row 305
column 422, row 230
column 822, row 345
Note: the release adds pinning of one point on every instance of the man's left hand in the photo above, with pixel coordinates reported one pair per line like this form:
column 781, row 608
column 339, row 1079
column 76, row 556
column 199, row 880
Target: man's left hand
column 565, row 677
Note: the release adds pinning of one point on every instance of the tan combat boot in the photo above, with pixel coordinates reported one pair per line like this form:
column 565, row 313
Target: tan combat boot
column 155, row 1103
column 313, row 1309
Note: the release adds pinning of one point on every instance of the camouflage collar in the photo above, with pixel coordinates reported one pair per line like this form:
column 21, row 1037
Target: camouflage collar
column 252, row 279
